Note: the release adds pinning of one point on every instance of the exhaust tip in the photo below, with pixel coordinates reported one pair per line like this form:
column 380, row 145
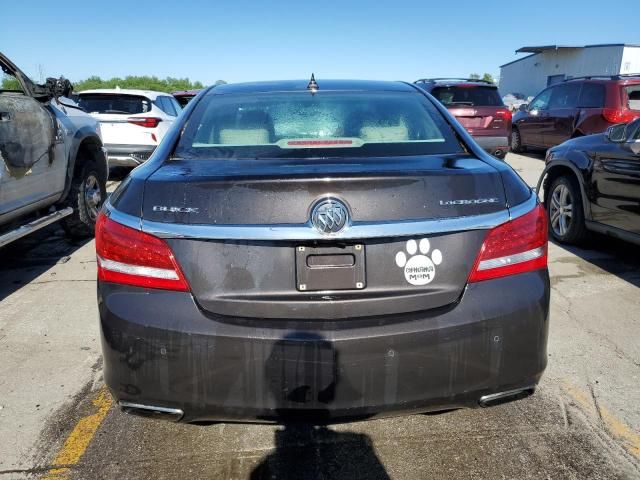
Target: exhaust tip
column 507, row 396
column 149, row 411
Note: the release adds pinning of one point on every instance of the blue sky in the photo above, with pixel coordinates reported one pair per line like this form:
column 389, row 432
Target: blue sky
column 260, row 40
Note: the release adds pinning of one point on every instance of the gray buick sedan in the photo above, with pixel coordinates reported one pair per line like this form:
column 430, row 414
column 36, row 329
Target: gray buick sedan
column 320, row 251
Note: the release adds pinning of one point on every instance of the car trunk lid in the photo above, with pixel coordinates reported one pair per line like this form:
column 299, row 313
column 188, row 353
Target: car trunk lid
column 384, row 272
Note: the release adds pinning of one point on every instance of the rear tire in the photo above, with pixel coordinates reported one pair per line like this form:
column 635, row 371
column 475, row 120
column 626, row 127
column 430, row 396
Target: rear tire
column 516, row 141
column 88, row 192
column 565, row 211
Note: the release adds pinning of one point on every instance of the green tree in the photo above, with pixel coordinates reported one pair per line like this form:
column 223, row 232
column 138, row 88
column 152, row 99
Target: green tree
column 488, row 77
column 145, row 82
column 10, row 83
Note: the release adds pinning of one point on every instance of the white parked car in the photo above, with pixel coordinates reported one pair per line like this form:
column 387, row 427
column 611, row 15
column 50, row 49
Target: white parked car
column 133, row 122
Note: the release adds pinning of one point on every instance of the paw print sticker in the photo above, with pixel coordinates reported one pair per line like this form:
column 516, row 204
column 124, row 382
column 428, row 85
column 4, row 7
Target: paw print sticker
column 419, row 269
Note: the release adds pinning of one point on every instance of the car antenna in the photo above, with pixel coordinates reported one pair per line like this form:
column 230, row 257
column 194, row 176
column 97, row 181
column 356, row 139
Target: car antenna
column 312, row 86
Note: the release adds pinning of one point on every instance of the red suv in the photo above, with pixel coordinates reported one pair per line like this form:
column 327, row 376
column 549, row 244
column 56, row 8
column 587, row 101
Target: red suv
column 478, row 107
column 576, row 107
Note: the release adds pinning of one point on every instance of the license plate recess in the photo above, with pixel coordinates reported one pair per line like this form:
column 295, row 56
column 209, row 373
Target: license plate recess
column 330, row 268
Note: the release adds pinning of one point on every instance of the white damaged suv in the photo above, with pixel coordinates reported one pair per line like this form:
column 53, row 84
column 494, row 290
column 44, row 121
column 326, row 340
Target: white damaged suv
column 52, row 161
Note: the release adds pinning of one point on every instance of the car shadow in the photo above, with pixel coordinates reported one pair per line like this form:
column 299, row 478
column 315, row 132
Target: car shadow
column 29, row 257
column 316, row 452
column 608, row 254
column 302, row 372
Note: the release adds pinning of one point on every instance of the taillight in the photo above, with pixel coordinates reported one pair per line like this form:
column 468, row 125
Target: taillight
column 617, row 115
column 131, row 257
column 147, row 122
column 506, row 114
column 517, row 246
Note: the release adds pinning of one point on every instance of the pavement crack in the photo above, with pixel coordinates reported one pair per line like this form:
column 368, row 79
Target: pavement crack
column 563, row 411
column 595, row 403
column 36, row 469
column 70, row 280
column 568, row 311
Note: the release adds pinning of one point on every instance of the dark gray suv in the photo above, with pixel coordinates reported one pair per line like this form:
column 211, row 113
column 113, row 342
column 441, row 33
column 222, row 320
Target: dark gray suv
column 320, row 251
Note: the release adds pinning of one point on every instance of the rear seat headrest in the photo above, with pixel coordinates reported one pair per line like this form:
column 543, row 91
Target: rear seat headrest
column 244, row 136
column 252, row 127
column 393, row 133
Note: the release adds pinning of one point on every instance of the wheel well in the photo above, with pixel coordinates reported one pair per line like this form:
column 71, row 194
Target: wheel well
column 90, row 149
column 555, row 172
column 559, row 170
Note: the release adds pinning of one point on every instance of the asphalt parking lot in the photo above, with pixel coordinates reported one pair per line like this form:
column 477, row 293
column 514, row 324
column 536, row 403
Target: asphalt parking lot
column 58, row 421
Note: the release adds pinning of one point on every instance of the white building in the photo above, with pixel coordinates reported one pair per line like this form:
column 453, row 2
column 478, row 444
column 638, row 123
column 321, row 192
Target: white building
column 553, row 63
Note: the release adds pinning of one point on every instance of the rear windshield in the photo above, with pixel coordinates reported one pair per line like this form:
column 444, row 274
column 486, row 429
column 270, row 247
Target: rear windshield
column 324, row 124
column 633, row 94
column 184, row 99
column 473, row 96
column 114, row 103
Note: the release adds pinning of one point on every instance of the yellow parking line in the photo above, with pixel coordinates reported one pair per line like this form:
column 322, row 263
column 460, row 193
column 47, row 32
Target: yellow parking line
column 630, row 440
column 78, row 440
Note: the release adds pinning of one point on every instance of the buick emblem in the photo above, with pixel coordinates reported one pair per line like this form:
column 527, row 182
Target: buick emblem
column 329, row 216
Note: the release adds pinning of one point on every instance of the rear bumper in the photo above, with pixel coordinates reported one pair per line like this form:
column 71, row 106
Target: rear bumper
column 120, row 155
column 161, row 350
column 493, row 145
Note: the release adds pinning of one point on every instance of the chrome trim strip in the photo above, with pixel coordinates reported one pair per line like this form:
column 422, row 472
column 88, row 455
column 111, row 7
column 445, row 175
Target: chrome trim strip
column 524, row 207
column 122, row 218
column 306, row 232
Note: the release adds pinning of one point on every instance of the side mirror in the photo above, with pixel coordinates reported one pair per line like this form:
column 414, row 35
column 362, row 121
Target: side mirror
column 632, row 136
column 616, row 133
column 523, row 107
column 59, row 87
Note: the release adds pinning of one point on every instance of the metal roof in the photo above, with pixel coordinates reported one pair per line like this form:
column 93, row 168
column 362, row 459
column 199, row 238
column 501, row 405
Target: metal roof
column 534, row 50
column 543, row 48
